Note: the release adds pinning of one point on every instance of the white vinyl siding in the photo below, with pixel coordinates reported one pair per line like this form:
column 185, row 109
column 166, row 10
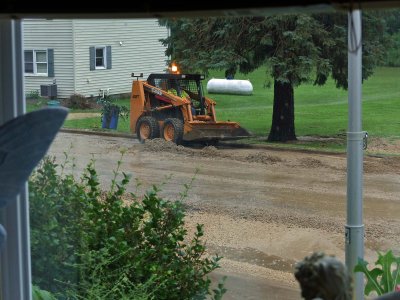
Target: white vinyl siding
column 130, row 46
column 135, row 47
column 55, row 35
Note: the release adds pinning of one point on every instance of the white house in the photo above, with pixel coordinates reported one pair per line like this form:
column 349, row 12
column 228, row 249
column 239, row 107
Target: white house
column 85, row 55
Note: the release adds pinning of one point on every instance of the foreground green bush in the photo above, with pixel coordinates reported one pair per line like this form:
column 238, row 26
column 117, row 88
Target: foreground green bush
column 91, row 244
column 57, row 205
column 38, row 294
column 385, row 277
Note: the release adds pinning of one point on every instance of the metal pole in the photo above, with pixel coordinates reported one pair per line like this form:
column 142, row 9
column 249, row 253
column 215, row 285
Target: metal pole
column 15, row 265
column 354, row 228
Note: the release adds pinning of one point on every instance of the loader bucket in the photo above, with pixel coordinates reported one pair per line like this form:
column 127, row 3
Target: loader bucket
column 201, row 131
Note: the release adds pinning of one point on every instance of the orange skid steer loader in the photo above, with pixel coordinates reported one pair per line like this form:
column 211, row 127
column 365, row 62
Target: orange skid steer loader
column 173, row 107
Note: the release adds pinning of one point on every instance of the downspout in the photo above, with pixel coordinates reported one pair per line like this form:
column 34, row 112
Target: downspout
column 73, row 56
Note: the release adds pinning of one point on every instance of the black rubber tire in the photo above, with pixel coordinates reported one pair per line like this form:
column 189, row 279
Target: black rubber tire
column 153, row 128
column 173, row 130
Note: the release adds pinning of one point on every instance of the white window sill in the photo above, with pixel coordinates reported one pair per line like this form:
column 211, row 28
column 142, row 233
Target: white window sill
column 100, row 68
column 36, row 75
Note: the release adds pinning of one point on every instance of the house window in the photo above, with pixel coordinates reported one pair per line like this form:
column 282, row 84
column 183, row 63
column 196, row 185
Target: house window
column 100, row 57
column 36, row 62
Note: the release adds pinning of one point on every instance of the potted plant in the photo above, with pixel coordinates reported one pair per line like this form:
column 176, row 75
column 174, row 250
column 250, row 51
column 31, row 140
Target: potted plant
column 111, row 112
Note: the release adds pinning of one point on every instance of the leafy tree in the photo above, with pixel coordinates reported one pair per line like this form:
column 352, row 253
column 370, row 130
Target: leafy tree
column 297, row 48
column 391, row 18
column 392, row 22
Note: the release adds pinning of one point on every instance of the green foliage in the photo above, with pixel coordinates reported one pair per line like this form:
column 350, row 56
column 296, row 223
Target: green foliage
column 109, row 107
column 57, row 204
column 38, row 294
column 293, row 46
column 34, row 101
column 146, row 237
column 385, row 277
column 220, row 290
column 100, row 286
column 33, row 95
column 92, row 244
column 393, row 52
column 392, row 19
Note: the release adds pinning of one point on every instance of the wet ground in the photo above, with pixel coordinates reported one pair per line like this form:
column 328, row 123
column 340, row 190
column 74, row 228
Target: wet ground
column 263, row 209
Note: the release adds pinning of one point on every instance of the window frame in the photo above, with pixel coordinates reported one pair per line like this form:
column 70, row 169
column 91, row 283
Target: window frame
column 35, row 62
column 104, row 66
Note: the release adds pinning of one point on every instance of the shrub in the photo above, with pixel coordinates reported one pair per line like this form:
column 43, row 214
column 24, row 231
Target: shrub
column 392, row 52
column 32, row 95
column 56, row 206
column 78, row 101
column 38, row 294
column 109, row 108
column 114, row 244
column 385, row 277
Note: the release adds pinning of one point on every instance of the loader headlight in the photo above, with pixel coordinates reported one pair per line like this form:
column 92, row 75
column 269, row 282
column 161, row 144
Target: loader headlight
column 173, row 69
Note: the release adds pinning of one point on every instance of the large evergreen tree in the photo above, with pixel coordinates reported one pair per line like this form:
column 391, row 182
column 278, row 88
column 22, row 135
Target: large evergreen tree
column 297, row 48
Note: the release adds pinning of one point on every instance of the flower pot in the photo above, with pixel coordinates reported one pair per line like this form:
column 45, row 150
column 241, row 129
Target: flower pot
column 110, row 120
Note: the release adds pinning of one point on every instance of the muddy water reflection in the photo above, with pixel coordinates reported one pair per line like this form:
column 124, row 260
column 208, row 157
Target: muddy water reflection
column 255, row 257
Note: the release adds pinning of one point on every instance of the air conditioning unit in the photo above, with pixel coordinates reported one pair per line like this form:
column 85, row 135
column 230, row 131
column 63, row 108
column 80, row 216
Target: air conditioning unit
column 48, row 90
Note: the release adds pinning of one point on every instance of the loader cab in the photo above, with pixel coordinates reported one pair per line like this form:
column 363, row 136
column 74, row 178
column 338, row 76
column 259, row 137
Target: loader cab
column 190, row 83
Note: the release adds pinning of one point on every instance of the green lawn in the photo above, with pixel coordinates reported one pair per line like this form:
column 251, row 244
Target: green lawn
column 319, row 110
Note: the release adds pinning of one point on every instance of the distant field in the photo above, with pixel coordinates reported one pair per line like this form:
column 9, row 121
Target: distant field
column 319, row 111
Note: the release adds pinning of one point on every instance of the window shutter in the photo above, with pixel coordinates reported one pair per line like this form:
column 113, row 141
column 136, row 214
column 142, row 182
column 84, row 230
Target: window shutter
column 92, row 54
column 108, row 53
column 50, row 62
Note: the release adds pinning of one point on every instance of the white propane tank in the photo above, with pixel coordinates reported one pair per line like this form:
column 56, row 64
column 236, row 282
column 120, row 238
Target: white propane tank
column 229, row 86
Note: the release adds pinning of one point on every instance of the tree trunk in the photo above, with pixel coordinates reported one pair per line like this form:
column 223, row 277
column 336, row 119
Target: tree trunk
column 282, row 128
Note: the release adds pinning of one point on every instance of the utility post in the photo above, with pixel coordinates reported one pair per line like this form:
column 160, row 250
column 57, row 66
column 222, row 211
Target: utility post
column 354, row 230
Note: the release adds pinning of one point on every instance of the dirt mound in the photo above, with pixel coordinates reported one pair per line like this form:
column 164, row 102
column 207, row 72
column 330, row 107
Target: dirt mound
column 209, row 152
column 311, row 163
column 161, row 145
column 371, row 164
column 262, row 158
